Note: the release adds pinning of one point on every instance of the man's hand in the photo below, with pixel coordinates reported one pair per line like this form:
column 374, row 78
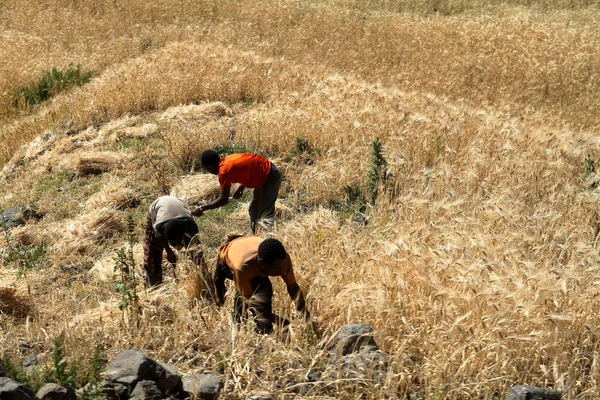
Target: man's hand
column 197, row 212
column 238, row 192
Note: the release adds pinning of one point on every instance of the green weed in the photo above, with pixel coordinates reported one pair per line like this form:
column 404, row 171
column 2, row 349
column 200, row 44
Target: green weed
column 377, row 169
column 52, row 83
column 125, row 277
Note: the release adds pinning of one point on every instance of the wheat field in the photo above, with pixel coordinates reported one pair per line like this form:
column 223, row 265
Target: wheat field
column 477, row 265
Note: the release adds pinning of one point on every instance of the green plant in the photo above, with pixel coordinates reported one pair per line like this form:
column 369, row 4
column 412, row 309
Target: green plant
column 230, row 148
column 53, row 82
column 302, row 145
column 61, row 374
column 377, row 170
column 93, row 390
column 590, row 172
column 125, row 279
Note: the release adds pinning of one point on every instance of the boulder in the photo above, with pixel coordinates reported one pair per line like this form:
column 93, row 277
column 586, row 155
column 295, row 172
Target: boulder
column 353, row 338
column 54, row 391
column 12, row 390
column 133, row 363
column 532, row 393
column 146, row 390
column 112, row 391
column 355, row 354
column 203, row 386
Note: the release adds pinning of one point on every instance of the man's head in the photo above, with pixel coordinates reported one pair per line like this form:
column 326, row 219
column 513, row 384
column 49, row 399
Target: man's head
column 210, row 161
column 179, row 232
column 271, row 254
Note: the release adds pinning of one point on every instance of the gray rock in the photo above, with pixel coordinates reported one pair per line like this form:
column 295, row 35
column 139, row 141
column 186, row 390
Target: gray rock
column 112, row 391
column 12, row 217
column 203, row 386
column 532, row 393
column 135, row 363
column 30, row 360
column 168, row 379
column 354, row 354
column 12, row 390
column 54, row 391
column 128, row 381
column 352, row 338
column 146, row 390
column 17, row 216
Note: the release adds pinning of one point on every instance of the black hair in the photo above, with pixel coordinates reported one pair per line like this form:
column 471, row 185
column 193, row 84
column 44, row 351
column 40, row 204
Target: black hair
column 210, row 157
column 180, row 231
column 271, row 249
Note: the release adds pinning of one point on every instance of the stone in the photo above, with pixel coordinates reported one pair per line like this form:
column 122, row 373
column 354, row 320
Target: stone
column 12, row 217
column 135, row 363
column 30, row 360
column 12, row 390
column 352, row 338
column 146, row 390
column 113, row 391
column 532, row 393
column 203, row 386
column 17, row 216
column 355, row 354
column 168, row 380
column 54, row 391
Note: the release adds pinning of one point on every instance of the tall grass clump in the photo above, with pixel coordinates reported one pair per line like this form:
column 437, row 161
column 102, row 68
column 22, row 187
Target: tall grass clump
column 377, row 169
column 52, row 83
column 126, row 280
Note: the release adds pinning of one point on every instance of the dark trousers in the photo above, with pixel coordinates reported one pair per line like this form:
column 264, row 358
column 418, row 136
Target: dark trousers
column 153, row 252
column 260, row 305
column 262, row 205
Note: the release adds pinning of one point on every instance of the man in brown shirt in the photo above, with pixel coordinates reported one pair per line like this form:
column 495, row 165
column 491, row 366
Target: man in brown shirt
column 249, row 261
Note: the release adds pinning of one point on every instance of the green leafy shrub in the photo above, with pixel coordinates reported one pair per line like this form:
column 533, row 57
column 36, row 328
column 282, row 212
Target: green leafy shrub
column 52, row 83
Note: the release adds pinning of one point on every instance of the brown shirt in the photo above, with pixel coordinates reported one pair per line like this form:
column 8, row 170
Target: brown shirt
column 241, row 256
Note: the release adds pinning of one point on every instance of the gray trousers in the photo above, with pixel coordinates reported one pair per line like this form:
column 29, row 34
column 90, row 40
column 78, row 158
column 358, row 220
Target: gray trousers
column 262, row 205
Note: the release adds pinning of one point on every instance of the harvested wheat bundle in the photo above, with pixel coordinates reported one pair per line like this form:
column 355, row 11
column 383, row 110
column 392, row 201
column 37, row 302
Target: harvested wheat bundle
column 14, row 304
column 23, row 236
column 197, row 277
column 134, row 132
column 197, row 111
column 103, row 223
column 116, row 194
column 40, row 145
column 110, row 128
column 97, row 163
column 193, row 189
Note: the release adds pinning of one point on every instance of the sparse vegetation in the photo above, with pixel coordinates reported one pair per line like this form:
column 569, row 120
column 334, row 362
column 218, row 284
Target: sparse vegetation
column 377, row 172
column 52, row 83
column 478, row 265
column 127, row 279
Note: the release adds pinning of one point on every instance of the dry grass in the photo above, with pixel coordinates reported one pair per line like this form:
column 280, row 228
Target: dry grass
column 478, row 265
column 13, row 304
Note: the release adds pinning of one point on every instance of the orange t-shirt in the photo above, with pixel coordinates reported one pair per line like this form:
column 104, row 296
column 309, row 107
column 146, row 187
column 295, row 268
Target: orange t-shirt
column 241, row 256
column 250, row 170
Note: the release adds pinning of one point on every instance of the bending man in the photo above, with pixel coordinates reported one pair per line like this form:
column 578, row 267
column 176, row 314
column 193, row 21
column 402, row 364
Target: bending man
column 250, row 171
column 249, row 261
column 168, row 223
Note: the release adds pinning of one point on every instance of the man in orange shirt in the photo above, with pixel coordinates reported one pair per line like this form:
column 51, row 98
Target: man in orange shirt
column 249, row 261
column 250, row 171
